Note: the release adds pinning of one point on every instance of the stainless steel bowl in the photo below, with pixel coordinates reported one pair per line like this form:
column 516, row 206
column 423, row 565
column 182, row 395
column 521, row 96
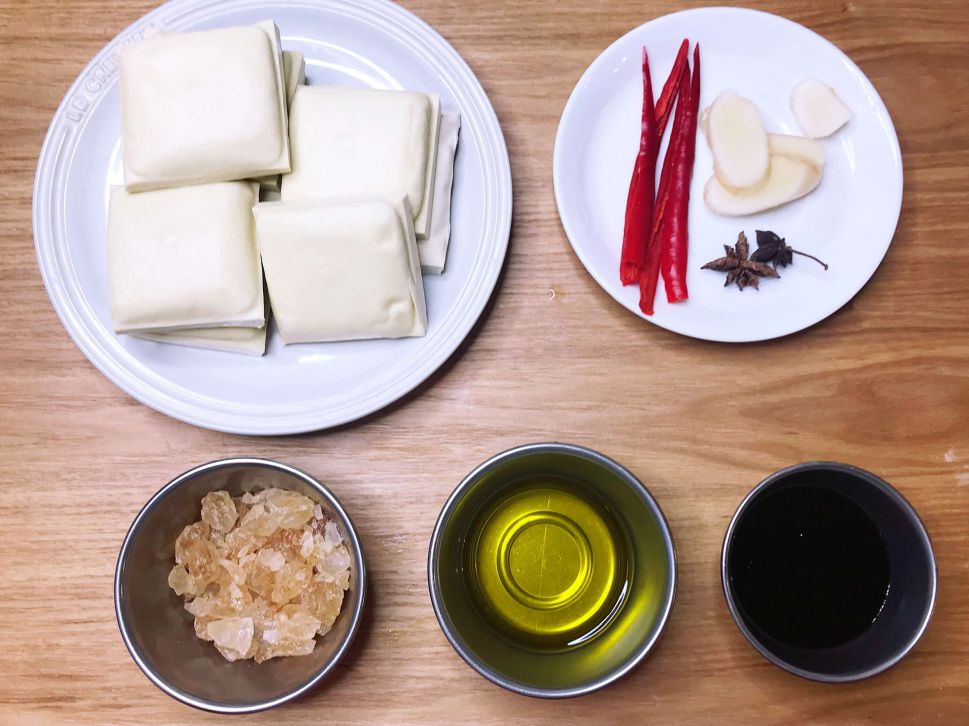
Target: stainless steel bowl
column 911, row 598
column 158, row 631
column 636, row 624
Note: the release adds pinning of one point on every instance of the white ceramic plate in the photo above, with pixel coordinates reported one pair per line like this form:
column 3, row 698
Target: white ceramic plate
column 297, row 388
column 848, row 221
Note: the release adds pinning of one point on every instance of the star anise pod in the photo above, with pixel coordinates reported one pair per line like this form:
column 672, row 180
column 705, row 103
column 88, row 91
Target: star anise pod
column 775, row 250
column 739, row 268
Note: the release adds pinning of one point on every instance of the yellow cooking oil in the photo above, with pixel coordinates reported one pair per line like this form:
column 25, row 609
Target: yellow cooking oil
column 548, row 563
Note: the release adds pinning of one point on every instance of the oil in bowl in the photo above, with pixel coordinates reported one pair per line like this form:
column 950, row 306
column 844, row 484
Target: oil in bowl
column 551, row 570
column 546, row 565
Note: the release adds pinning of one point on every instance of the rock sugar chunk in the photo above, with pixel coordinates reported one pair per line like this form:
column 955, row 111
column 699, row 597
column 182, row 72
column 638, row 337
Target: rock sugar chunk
column 263, row 574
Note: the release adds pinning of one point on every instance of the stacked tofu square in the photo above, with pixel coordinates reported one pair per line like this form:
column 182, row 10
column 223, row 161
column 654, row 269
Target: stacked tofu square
column 355, row 183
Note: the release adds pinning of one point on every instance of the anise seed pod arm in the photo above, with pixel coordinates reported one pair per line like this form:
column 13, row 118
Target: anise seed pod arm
column 722, row 264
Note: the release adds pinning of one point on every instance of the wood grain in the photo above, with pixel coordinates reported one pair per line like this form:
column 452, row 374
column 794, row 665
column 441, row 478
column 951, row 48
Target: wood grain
column 882, row 384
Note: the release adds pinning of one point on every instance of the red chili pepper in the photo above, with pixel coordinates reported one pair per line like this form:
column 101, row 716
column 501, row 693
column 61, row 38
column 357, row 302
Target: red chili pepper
column 639, row 202
column 649, row 277
column 676, row 238
column 662, row 196
column 665, row 103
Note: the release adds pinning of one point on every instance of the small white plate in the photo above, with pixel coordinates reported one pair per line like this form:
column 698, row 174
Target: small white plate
column 848, row 221
column 296, row 388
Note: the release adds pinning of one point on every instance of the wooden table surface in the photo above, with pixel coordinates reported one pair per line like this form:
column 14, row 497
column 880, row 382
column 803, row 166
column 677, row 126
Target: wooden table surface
column 882, row 384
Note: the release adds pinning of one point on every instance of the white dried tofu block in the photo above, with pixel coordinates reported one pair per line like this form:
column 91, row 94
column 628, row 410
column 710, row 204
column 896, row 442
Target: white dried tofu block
column 202, row 107
column 433, row 249
column 342, row 270
column 294, row 73
column 357, row 142
column 250, row 341
column 184, row 258
column 422, row 220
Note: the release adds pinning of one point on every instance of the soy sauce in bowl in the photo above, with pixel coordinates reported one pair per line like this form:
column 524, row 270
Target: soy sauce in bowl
column 828, row 572
column 809, row 567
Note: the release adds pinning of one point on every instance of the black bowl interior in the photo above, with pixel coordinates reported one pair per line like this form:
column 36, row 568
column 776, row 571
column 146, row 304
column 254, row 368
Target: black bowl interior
column 911, row 593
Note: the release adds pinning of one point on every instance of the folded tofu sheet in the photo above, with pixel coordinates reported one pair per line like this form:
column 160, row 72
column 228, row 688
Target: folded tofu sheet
column 342, row 269
column 184, row 257
column 361, row 142
column 367, row 177
column 202, row 107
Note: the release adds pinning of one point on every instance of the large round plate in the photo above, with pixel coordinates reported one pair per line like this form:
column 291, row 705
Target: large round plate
column 848, row 221
column 296, row 388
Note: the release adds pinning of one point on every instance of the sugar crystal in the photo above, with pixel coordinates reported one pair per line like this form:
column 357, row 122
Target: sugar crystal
column 263, row 574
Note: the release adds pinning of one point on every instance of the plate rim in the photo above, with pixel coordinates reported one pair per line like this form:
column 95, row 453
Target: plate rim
column 157, row 392
column 713, row 336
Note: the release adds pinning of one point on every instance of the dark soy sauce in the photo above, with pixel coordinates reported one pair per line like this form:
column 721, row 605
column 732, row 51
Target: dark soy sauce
column 808, row 567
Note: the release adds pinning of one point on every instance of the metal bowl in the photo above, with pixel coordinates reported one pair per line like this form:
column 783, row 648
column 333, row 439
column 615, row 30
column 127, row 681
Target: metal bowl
column 635, row 625
column 158, row 631
column 911, row 598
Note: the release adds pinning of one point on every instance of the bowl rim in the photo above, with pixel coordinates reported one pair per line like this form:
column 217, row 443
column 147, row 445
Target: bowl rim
column 898, row 500
column 355, row 617
column 437, row 601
